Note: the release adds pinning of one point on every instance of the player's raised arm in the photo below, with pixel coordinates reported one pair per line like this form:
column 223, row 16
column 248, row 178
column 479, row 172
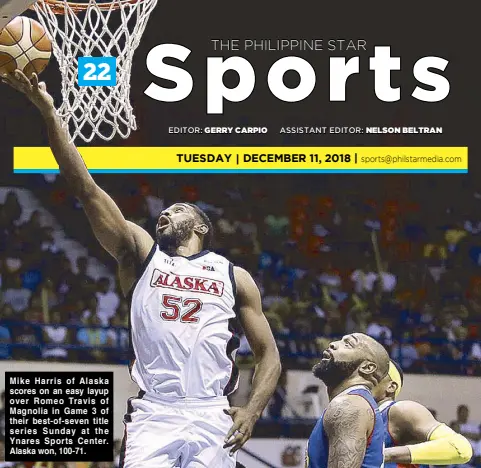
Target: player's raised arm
column 266, row 356
column 109, row 225
column 348, row 421
column 431, row 442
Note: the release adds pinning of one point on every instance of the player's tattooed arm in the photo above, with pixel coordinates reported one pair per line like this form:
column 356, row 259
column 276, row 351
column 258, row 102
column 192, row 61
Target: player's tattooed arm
column 126, row 243
column 348, row 421
column 266, row 356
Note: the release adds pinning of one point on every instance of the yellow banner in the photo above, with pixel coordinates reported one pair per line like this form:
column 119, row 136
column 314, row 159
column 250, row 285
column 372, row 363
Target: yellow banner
column 213, row 159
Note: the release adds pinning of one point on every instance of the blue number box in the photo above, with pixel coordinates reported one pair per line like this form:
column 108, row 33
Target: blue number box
column 97, row 71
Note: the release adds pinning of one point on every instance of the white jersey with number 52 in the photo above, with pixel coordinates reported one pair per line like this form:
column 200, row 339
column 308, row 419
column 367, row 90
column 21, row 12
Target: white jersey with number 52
column 181, row 314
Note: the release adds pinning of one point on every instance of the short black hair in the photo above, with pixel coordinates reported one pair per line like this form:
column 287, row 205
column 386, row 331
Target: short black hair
column 202, row 215
column 401, row 373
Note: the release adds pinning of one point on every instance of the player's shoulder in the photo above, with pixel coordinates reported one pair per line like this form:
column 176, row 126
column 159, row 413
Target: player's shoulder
column 348, row 402
column 407, row 410
column 407, row 406
column 346, row 407
column 244, row 281
column 410, row 417
column 241, row 272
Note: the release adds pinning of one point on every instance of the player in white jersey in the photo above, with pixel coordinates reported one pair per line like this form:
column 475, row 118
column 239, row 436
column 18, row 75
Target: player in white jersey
column 184, row 299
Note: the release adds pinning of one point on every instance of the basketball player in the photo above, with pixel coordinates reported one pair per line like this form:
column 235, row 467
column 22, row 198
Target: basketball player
column 350, row 433
column 412, row 434
column 183, row 301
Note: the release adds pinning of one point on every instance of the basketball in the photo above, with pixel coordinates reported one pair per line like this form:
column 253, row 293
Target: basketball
column 24, row 45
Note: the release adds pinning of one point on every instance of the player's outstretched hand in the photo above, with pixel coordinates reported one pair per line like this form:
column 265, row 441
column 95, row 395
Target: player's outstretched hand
column 35, row 91
column 241, row 430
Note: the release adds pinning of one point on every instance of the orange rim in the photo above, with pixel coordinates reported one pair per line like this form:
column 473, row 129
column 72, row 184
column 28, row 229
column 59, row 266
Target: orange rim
column 58, row 6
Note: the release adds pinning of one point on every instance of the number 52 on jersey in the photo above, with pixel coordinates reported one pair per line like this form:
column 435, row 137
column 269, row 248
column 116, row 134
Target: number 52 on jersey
column 97, row 71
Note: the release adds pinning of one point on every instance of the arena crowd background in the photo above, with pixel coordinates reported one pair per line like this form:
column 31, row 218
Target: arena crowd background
column 397, row 257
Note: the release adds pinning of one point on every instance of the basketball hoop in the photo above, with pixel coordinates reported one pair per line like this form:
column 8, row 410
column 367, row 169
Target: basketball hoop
column 88, row 31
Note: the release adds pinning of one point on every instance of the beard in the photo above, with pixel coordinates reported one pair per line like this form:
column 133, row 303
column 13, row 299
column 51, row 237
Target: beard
column 175, row 236
column 333, row 373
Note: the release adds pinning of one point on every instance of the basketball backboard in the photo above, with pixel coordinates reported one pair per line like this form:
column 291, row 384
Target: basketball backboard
column 11, row 8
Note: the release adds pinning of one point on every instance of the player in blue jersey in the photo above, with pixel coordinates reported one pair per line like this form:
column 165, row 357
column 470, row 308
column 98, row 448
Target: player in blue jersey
column 350, row 433
column 413, row 435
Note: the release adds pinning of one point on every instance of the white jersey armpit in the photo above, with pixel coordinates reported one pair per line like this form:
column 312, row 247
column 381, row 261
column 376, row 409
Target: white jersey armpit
column 181, row 315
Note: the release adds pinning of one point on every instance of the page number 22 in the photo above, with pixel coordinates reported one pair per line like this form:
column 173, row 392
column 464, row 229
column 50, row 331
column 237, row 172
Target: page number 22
column 102, row 75
column 97, row 71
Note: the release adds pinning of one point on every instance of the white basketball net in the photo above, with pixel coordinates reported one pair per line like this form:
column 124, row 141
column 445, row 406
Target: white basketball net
column 102, row 111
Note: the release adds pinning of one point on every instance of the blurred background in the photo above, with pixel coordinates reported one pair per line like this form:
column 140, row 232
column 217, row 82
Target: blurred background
column 397, row 257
